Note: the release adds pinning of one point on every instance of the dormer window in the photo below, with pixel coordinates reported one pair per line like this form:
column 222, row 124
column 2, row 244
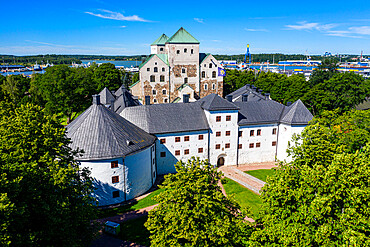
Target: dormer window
column 161, row 49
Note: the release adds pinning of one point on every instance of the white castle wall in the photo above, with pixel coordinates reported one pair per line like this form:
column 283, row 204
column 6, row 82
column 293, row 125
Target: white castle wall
column 285, row 136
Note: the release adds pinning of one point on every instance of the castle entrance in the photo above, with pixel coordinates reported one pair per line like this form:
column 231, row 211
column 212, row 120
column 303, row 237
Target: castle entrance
column 220, row 161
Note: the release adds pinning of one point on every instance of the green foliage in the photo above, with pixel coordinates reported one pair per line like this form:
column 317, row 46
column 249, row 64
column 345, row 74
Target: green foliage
column 322, row 198
column 15, row 87
column 106, row 75
column 134, row 231
column 192, row 210
column 135, row 77
column 235, row 79
column 45, row 199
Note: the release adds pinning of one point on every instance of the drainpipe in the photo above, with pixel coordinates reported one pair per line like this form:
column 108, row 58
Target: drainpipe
column 124, row 177
column 209, row 144
column 169, row 84
column 237, row 149
column 151, row 163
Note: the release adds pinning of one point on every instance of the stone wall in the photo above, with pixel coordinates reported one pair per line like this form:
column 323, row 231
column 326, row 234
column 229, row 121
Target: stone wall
column 191, row 70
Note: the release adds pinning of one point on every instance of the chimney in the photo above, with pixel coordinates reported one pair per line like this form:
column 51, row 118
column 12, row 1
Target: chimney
column 245, row 97
column 112, row 105
column 267, row 96
column 185, row 98
column 248, row 85
column 229, row 98
column 96, row 99
column 289, row 103
column 260, row 91
column 147, row 100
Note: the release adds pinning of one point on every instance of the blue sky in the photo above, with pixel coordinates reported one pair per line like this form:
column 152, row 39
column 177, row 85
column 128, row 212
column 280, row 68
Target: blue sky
column 117, row 27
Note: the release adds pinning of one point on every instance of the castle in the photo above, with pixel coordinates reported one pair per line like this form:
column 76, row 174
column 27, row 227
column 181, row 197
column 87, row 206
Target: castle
column 174, row 68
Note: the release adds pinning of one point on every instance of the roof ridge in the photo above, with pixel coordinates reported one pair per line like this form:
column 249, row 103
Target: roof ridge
column 187, row 37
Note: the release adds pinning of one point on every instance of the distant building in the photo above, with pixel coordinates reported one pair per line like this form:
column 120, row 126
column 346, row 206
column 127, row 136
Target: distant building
column 175, row 67
column 126, row 152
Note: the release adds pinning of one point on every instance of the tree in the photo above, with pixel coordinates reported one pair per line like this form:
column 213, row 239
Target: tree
column 64, row 90
column 192, row 210
column 106, row 75
column 45, row 199
column 16, row 87
column 322, row 198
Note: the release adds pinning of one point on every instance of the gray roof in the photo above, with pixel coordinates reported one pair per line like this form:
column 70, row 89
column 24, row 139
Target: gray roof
column 213, row 102
column 252, row 95
column 259, row 112
column 297, row 113
column 124, row 99
column 103, row 134
column 106, row 96
column 167, row 118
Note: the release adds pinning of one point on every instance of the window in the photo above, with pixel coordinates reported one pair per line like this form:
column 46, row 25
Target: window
column 163, row 154
column 200, row 150
column 274, row 131
column 154, row 92
column 210, row 65
column 200, row 137
column 164, row 91
column 218, row 119
column 218, row 146
column 163, row 69
column 251, row 145
column 203, row 74
column 185, row 50
column 251, row 133
column 115, row 194
column 227, row 145
column 155, row 100
column 228, row 118
column 218, row 133
column 186, row 138
column 274, row 143
column 114, row 164
column 183, row 70
column 258, row 132
column 240, row 146
column 155, row 69
column 155, row 63
column 178, row 51
column 165, row 100
column 185, row 80
column 161, row 78
column 192, row 51
column 115, row 179
column 152, row 78
column 147, row 69
column 177, row 139
column 205, row 86
column 161, row 49
column 214, row 74
column 213, row 86
column 240, row 133
column 228, row 133
column 186, row 151
column 258, row 144
column 162, row 141
column 177, row 152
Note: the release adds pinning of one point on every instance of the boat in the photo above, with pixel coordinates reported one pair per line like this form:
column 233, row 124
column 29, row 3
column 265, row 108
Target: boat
column 37, row 67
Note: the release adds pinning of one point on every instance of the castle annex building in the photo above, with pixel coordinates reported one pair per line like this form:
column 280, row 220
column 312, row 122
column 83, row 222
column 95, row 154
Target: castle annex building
column 127, row 144
column 175, row 67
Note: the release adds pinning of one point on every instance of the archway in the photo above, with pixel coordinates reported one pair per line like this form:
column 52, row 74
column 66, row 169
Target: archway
column 220, row 161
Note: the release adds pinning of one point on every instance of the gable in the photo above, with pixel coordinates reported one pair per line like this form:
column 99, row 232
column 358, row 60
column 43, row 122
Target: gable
column 182, row 37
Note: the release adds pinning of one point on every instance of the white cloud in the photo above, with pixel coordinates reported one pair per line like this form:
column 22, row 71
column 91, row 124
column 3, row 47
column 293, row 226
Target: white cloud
column 364, row 30
column 308, row 26
column 122, row 26
column 199, row 20
column 256, row 30
column 107, row 14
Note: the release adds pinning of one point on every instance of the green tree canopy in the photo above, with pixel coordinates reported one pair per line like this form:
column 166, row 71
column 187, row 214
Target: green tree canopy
column 16, row 87
column 45, row 199
column 106, row 75
column 322, row 198
column 192, row 210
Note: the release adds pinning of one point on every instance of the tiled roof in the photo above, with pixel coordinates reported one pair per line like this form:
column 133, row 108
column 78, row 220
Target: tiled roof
column 252, row 95
column 297, row 113
column 213, row 102
column 182, row 36
column 103, row 134
column 106, row 96
column 259, row 112
column 124, row 99
column 167, row 118
column 161, row 40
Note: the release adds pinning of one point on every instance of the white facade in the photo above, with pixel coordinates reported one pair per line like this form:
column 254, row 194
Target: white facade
column 285, row 136
column 132, row 176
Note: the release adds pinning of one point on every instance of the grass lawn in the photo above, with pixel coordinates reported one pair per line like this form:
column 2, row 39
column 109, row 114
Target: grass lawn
column 135, row 231
column 261, row 174
column 143, row 203
column 245, row 197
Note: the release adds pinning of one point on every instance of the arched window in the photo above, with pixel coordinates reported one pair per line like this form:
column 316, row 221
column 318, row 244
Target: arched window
column 155, row 100
column 152, row 78
column 154, row 92
column 203, row 74
column 185, row 80
column 164, row 91
column 165, row 100
column 161, row 78
column 183, row 70
column 205, row 87
column 163, row 69
column 213, row 86
column 155, row 69
column 210, row 65
column 214, row 74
